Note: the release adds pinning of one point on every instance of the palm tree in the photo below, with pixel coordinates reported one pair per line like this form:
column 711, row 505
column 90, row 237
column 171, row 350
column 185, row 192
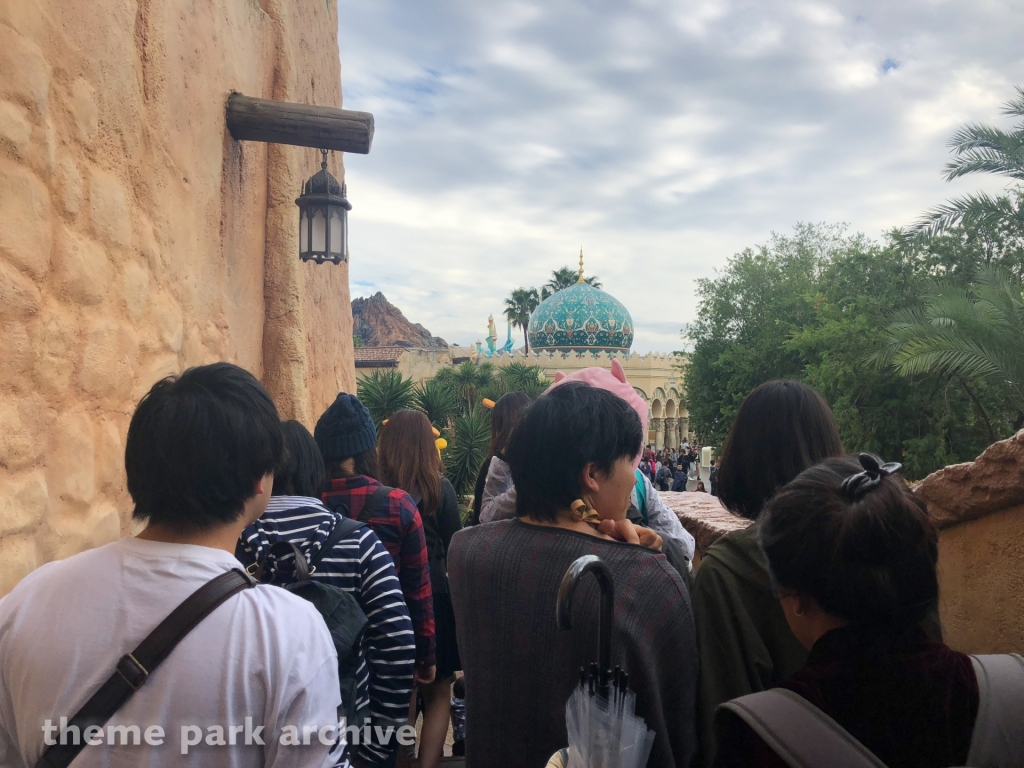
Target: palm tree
column 383, row 392
column 518, row 308
column 973, row 332
column 983, row 149
column 566, row 278
column 438, row 400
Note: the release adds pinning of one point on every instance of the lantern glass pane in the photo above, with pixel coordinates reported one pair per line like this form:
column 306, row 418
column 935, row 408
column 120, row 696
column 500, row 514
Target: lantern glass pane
column 319, row 232
column 344, row 233
column 303, row 233
column 336, row 232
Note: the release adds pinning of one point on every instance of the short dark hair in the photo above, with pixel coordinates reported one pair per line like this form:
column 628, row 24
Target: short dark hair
column 869, row 560
column 782, row 428
column 301, row 471
column 197, row 445
column 561, row 432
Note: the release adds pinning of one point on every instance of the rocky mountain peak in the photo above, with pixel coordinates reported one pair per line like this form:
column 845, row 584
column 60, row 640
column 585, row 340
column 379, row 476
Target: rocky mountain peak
column 381, row 324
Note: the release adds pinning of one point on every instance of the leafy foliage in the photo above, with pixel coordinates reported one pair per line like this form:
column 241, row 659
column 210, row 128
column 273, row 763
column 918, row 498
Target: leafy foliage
column 973, row 332
column 467, row 449
column 814, row 306
column 565, row 278
column 383, row 392
column 438, row 401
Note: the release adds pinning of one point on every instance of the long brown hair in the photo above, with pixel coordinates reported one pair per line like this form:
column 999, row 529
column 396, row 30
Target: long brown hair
column 507, row 414
column 407, row 458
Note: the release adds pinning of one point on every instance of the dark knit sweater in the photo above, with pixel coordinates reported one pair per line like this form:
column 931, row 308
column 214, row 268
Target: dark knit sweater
column 520, row 668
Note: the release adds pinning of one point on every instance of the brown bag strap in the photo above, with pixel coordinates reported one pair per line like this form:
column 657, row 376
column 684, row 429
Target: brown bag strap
column 133, row 669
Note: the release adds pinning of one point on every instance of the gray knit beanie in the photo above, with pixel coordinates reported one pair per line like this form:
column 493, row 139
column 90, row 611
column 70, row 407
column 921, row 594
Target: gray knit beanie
column 345, row 429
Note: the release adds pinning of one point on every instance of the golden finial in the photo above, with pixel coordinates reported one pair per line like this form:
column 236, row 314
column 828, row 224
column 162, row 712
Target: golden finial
column 581, row 280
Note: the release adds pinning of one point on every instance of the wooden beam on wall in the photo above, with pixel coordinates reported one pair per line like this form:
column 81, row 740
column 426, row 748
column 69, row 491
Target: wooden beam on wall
column 299, row 125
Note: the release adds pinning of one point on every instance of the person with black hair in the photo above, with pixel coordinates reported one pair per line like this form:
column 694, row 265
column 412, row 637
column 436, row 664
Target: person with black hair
column 357, row 563
column 781, row 428
column 347, row 438
column 200, row 458
column 572, row 464
column 852, row 556
column 494, row 497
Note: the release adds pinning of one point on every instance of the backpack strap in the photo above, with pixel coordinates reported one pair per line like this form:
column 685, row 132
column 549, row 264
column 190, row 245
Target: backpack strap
column 133, row 669
column 800, row 733
column 343, row 528
column 373, row 502
column 998, row 737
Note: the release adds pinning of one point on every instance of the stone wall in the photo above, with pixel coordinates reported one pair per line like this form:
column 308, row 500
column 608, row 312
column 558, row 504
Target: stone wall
column 979, row 509
column 137, row 239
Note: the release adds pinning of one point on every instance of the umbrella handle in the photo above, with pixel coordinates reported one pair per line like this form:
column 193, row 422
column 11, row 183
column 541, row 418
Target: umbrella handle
column 563, row 610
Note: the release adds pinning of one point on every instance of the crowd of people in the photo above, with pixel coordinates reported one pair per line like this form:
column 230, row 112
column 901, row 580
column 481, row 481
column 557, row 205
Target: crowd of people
column 358, row 593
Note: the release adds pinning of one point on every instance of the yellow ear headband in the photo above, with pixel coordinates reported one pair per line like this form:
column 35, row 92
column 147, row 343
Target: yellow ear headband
column 488, row 403
column 439, row 441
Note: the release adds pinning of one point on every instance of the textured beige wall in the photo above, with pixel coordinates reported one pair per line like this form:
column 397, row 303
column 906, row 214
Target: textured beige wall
column 137, row 239
column 981, row 583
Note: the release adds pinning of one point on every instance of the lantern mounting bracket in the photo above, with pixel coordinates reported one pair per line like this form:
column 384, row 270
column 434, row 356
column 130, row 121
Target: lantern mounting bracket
column 299, row 125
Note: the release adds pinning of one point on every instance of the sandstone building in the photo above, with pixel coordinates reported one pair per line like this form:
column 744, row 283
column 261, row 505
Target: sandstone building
column 137, row 239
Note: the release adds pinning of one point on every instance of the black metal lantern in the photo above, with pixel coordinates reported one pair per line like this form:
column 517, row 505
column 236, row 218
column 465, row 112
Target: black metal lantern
column 323, row 218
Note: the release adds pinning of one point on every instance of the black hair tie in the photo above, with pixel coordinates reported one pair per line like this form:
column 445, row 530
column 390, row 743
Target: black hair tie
column 855, row 486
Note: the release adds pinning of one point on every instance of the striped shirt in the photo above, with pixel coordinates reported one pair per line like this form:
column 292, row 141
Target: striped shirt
column 360, row 565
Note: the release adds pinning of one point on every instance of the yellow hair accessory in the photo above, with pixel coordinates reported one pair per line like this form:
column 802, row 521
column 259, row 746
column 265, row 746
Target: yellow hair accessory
column 488, row 403
column 434, row 430
column 441, row 444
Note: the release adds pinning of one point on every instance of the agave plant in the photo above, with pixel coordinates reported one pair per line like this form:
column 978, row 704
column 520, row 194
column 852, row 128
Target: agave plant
column 438, row 400
column 468, row 448
column 973, row 332
column 469, row 381
column 517, row 377
column 383, row 392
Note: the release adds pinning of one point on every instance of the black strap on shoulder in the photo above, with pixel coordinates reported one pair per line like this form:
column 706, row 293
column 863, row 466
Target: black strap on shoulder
column 373, row 502
column 133, row 669
column 343, row 528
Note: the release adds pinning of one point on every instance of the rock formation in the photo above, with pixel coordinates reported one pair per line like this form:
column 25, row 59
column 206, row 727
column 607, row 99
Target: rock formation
column 978, row 508
column 379, row 323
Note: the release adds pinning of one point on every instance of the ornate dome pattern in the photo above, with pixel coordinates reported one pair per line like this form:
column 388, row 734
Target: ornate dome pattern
column 581, row 318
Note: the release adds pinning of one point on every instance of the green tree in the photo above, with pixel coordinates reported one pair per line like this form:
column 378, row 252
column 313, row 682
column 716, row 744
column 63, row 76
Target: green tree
column 981, row 148
column 973, row 332
column 438, row 401
column 467, row 449
column 566, row 278
column 383, row 392
column 812, row 306
column 518, row 307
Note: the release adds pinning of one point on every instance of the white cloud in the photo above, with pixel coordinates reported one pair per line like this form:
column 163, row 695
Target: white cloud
column 662, row 136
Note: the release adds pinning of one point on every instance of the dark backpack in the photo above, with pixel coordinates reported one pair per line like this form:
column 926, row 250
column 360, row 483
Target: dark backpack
column 341, row 612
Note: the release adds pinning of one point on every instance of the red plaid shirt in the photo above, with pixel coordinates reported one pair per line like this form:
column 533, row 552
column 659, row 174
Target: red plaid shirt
column 398, row 525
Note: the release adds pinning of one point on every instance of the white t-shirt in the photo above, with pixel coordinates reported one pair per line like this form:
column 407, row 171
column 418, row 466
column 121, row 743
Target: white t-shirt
column 264, row 654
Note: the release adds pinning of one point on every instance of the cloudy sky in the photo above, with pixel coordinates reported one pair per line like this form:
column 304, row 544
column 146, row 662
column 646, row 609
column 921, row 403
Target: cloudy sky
column 661, row 136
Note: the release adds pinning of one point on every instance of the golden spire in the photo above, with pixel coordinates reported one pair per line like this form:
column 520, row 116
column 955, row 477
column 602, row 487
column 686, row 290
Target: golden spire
column 581, row 280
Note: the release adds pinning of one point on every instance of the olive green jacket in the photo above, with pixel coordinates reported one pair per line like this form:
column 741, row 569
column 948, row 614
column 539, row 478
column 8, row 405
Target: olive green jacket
column 744, row 641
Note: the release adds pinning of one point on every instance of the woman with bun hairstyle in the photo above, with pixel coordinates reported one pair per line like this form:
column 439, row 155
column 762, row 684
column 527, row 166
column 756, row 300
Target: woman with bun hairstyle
column 852, row 556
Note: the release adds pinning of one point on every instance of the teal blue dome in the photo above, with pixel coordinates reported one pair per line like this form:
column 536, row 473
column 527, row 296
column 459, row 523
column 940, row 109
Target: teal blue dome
column 581, row 319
